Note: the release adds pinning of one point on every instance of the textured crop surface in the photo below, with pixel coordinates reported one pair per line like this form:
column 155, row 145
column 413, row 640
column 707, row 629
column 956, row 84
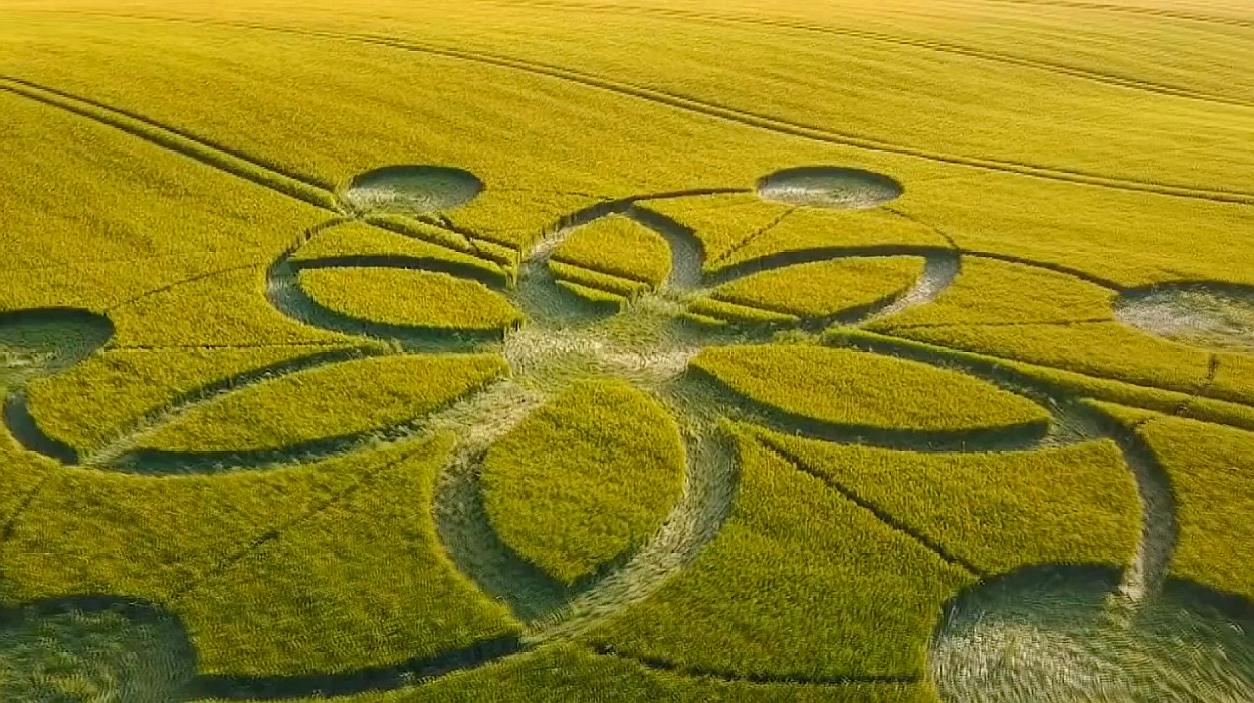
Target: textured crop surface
column 893, row 351
column 409, row 298
column 584, row 479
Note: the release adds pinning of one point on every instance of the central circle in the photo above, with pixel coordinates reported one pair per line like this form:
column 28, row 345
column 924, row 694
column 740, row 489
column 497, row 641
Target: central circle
column 411, row 189
column 829, row 187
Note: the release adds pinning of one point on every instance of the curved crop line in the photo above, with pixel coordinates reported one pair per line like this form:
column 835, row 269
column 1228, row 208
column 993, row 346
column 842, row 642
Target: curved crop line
column 685, row 248
column 769, row 262
column 813, row 132
column 381, row 678
column 286, row 295
column 669, row 667
column 494, row 279
column 1004, row 438
column 1052, row 67
column 212, row 391
column 364, row 480
column 1148, row 569
column 1156, row 545
column 1056, row 268
column 1008, row 358
column 940, row 268
column 1005, row 323
column 29, row 435
column 228, row 160
column 949, row 239
column 882, row 342
column 749, row 118
column 709, row 484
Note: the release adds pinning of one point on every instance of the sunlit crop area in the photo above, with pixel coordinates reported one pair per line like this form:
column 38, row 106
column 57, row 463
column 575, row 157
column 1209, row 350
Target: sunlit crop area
column 633, row 350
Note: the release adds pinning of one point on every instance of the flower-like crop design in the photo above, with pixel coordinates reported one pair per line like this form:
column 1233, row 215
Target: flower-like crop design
column 670, row 339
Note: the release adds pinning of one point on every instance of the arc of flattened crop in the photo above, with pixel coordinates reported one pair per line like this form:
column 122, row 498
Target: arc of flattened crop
column 63, row 337
column 459, row 186
column 284, row 293
column 1148, row 569
column 941, row 266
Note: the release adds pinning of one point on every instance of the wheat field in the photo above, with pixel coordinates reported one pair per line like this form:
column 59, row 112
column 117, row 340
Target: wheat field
column 627, row 350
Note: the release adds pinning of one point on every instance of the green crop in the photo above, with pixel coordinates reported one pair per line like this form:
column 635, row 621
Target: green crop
column 824, row 288
column 596, row 296
column 515, row 217
column 90, row 403
column 272, row 572
column 1234, row 378
column 990, row 292
column 810, row 228
column 996, row 511
column 620, row 247
column 721, row 310
column 766, row 589
column 585, row 479
column 1105, row 349
column 409, row 298
column 233, row 311
column 835, row 386
column 340, row 400
column 722, row 223
column 1206, row 409
column 355, row 593
column 186, row 171
column 606, row 283
column 565, row 672
column 358, row 239
column 1209, row 469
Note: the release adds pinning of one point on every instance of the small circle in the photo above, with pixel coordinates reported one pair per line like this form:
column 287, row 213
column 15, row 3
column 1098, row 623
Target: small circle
column 411, row 189
column 829, row 187
column 1210, row 315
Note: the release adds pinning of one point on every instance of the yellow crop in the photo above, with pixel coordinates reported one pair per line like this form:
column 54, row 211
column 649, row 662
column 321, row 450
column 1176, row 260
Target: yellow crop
column 624, row 349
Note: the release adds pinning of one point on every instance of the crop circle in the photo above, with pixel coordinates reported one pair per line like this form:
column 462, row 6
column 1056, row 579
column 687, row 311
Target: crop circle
column 411, row 189
column 1202, row 314
column 829, row 187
